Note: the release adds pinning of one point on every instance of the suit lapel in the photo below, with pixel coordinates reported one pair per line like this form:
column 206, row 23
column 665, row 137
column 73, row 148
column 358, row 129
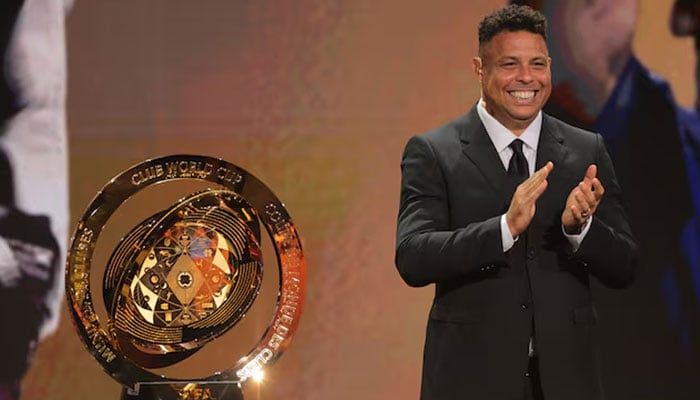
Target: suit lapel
column 552, row 147
column 477, row 146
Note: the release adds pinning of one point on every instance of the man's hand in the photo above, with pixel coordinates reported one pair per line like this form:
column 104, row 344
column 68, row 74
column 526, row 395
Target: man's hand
column 522, row 206
column 582, row 201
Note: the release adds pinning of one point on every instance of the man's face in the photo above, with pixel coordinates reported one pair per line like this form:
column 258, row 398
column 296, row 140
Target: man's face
column 514, row 71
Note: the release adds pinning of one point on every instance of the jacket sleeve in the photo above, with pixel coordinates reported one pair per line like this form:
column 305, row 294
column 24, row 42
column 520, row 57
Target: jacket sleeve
column 428, row 248
column 609, row 250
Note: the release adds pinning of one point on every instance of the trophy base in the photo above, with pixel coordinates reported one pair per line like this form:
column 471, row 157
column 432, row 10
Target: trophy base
column 184, row 391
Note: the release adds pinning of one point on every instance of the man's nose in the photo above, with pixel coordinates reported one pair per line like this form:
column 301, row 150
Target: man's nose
column 524, row 74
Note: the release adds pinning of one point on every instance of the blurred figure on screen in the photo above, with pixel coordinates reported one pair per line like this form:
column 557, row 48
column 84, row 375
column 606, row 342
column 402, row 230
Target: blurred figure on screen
column 599, row 84
column 33, row 180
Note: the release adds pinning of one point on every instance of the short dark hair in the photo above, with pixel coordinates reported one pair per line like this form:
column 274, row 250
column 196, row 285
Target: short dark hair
column 512, row 18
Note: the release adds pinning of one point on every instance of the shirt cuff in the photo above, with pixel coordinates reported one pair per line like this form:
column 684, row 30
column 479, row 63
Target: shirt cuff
column 575, row 240
column 506, row 237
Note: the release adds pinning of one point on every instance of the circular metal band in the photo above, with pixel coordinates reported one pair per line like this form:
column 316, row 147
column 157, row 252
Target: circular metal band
column 273, row 215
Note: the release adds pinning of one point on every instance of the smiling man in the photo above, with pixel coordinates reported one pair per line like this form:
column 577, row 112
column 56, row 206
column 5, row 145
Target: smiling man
column 510, row 213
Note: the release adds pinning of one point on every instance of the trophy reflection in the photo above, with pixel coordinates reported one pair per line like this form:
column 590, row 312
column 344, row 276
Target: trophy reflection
column 183, row 277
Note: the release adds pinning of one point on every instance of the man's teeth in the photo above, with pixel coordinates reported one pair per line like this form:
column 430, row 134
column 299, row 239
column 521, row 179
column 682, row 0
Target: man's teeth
column 523, row 95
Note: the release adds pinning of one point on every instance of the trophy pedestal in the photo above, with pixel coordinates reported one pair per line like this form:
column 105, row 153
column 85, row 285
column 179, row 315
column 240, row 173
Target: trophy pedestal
column 184, row 391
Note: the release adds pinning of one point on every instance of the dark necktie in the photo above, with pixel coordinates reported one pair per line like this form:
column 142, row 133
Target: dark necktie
column 517, row 172
column 517, row 167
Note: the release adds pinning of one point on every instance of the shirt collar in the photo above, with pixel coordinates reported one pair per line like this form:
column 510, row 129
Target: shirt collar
column 501, row 137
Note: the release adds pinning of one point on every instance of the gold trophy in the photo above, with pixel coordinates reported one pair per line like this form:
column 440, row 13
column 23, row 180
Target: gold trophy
column 182, row 277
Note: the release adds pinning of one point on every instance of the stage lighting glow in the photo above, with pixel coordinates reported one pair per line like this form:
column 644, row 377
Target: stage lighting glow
column 258, row 376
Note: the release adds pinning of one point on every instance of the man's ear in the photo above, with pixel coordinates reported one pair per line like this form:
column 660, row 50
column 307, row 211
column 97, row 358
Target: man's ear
column 478, row 66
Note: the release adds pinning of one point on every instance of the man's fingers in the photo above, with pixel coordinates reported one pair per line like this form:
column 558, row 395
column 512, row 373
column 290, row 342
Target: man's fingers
column 532, row 183
column 587, row 193
column 591, row 172
column 547, row 168
column 577, row 215
column 583, row 206
column 598, row 189
column 583, row 199
column 535, row 185
column 591, row 187
column 539, row 190
column 522, row 206
column 591, row 192
column 590, row 175
column 543, row 172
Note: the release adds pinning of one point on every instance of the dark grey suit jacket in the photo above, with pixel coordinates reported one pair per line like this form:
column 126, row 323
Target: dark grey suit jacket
column 487, row 303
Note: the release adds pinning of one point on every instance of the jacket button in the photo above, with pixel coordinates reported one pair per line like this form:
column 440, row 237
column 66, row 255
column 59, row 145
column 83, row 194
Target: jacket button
column 531, row 255
column 524, row 306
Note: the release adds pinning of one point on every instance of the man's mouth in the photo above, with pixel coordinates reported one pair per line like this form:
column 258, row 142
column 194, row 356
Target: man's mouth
column 522, row 94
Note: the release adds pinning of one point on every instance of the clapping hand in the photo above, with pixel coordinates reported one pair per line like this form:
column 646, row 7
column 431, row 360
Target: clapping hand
column 522, row 206
column 582, row 201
